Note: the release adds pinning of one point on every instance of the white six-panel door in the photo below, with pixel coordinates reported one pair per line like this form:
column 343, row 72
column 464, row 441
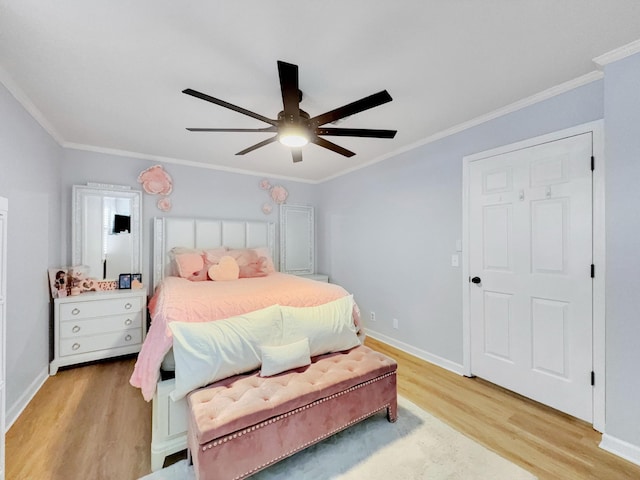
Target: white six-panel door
column 530, row 249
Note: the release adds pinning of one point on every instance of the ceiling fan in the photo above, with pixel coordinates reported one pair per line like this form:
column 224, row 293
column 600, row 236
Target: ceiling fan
column 294, row 127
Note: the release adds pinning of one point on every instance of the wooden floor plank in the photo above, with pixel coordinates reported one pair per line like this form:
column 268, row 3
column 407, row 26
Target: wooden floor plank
column 89, row 423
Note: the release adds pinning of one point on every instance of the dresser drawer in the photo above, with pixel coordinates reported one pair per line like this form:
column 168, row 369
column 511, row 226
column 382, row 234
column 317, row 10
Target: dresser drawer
column 92, row 326
column 74, row 346
column 100, row 308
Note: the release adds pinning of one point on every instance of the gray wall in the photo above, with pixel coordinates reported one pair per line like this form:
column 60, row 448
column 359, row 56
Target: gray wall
column 29, row 178
column 622, row 137
column 387, row 232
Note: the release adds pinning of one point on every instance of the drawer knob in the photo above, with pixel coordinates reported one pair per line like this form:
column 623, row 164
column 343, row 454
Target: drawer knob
column 128, row 321
column 75, row 346
column 127, row 338
column 128, row 306
column 75, row 329
column 75, row 311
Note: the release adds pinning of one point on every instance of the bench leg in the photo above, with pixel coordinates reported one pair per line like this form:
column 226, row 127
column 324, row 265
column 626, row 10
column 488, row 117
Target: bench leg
column 392, row 411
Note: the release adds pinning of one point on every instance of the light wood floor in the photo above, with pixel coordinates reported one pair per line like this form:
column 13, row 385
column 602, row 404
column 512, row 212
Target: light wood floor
column 89, row 423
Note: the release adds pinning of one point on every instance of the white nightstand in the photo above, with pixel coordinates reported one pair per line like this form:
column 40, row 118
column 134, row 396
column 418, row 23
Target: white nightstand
column 320, row 277
column 97, row 325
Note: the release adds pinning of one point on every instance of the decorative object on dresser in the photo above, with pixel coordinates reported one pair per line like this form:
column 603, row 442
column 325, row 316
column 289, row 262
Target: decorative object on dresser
column 97, row 325
column 124, row 281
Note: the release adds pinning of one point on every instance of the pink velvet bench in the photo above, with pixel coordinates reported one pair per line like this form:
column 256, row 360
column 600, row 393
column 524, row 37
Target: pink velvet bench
column 243, row 424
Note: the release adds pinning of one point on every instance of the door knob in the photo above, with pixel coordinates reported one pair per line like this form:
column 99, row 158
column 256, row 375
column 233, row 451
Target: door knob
column 476, row 280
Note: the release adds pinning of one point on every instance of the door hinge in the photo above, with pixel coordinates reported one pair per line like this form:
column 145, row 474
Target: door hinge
column 593, row 163
column 593, row 378
column 593, row 271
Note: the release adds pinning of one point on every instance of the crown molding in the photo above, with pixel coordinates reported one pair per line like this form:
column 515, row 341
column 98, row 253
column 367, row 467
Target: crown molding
column 617, row 54
column 177, row 161
column 28, row 105
column 511, row 108
column 593, row 76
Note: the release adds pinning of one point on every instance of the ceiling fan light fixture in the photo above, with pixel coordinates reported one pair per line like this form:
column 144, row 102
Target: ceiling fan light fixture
column 293, row 137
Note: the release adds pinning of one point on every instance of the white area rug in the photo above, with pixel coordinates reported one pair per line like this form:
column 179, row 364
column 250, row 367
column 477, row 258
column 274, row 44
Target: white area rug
column 418, row 446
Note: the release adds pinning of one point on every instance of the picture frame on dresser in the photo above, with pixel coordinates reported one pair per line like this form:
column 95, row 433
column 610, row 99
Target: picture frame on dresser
column 124, row 281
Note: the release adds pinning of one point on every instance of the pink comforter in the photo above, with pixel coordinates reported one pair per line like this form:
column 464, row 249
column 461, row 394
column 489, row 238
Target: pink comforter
column 180, row 299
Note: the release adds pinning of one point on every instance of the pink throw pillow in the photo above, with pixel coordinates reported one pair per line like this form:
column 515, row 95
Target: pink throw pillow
column 254, row 269
column 208, row 257
column 226, row 270
column 266, row 253
column 188, row 264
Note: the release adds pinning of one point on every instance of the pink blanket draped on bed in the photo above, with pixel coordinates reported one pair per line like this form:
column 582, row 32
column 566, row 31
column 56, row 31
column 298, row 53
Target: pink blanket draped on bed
column 186, row 301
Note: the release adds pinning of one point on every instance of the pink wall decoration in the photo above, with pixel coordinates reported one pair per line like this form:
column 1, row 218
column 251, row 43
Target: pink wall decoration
column 265, row 184
column 156, row 181
column 276, row 193
column 164, row 204
column 279, row 194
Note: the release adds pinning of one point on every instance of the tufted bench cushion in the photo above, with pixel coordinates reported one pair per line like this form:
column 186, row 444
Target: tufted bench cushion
column 282, row 414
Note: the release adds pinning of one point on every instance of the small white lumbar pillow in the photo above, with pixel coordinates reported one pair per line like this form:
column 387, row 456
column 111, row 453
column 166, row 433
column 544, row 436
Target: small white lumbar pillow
column 210, row 351
column 280, row 358
column 328, row 327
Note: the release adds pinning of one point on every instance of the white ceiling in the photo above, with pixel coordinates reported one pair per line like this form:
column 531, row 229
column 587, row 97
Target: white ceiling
column 107, row 75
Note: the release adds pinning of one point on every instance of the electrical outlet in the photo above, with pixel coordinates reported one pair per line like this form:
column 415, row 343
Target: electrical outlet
column 395, row 323
column 373, row 316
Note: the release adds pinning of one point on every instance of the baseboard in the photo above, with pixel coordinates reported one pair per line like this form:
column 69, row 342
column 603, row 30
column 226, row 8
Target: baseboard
column 622, row 449
column 14, row 411
column 416, row 352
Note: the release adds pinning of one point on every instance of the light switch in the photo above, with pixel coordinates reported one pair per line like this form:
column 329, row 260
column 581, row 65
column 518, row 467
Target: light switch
column 458, row 245
column 455, row 260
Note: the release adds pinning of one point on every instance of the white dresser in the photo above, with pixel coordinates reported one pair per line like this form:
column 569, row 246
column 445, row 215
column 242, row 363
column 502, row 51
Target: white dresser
column 4, row 206
column 97, row 325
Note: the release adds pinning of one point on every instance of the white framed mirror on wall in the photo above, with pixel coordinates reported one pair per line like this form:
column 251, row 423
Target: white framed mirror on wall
column 106, row 230
column 297, row 239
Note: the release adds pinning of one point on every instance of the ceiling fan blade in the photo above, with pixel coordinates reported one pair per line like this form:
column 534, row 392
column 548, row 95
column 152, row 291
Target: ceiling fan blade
column 258, row 145
column 352, row 108
column 290, row 91
column 356, row 132
column 267, row 129
column 332, row 146
column 296, row 153
column 230, row 106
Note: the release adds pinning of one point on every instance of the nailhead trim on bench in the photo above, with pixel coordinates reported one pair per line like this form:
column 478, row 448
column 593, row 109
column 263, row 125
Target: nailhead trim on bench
column 230, row 437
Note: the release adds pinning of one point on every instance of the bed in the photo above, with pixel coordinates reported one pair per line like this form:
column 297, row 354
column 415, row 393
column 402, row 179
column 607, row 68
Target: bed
column 168, row 305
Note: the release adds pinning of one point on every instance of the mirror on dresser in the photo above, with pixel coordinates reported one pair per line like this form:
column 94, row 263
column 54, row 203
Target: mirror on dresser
column 106, row 230
column 297, row 239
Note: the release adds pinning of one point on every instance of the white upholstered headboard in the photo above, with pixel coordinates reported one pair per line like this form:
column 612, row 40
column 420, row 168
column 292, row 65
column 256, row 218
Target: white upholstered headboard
column 169, row 232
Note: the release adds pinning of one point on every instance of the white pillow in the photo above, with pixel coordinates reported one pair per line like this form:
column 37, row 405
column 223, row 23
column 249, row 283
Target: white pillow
column 210, row 351
column 278, row 359
column 328, row 327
